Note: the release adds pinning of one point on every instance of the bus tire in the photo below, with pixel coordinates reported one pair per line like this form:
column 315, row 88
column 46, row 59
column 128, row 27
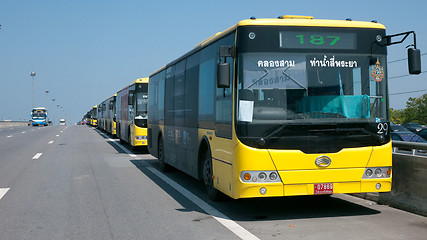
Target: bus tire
column 163, row 166
column 208, row 180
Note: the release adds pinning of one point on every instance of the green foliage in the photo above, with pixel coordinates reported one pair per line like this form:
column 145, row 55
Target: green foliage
column 415, row 111
column 396, row 116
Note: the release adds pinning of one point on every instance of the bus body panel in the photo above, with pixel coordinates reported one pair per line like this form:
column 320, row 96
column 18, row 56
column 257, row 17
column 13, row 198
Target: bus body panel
column 222, row 159
column 114, row 132
column 138, row 136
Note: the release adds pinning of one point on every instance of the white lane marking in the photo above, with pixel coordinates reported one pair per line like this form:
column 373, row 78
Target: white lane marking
column 23, row 132
column 119, row 145
column 57, row 135
column 217, row 215
column 10, row 136
column 37, row 156
column 50, row 142
column 62, row 131
column 3, row 191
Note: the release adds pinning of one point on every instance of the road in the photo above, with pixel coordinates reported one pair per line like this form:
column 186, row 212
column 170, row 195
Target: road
column 74, row 182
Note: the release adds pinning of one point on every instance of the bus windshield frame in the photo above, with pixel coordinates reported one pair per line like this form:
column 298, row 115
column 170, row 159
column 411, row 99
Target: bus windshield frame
column 141, row 104
column 316, row 89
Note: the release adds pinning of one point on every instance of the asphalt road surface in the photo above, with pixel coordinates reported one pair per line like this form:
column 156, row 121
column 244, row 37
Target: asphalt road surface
column 74, row 182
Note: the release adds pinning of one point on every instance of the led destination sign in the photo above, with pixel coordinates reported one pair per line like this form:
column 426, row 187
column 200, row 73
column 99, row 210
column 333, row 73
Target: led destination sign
column 317, row 40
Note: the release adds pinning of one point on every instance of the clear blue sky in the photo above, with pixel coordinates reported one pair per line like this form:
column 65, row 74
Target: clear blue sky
column 84, row 51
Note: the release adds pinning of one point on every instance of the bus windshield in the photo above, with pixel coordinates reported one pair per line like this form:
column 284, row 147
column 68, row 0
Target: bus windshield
column 141, row 98
column 39, row 115
column 141, row 105
column 325, row 99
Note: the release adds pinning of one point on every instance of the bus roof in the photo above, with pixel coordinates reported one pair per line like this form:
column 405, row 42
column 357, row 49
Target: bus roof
column 287, row 20
column 141, row 80
column 293, row 20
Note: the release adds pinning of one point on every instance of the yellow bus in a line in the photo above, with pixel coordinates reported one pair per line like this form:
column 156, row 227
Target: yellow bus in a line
column 94, row 116
column 131, row 113
column 278, row 107
column 110, row 118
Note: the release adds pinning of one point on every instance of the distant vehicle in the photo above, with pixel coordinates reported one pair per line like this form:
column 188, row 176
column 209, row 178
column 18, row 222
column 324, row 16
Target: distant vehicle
column 131, row 113
column 398, row 128
column 407, row 137
column 39, row 117
column 30, row 122
column 62, row 122
column 413, row 127
column 423, row 133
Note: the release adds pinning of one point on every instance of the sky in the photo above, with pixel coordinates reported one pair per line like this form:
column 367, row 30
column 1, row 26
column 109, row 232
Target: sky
column 83, row 51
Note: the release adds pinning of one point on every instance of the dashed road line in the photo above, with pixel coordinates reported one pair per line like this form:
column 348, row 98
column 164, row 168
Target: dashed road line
column 23, row 132
column 37, row 156
column 119, row 145
column 3, row 191
column 57, row 135
column 50, row 142
column 10, row 136
column 217, row 215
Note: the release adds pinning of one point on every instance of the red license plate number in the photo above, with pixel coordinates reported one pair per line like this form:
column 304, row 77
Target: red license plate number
column 323, row 188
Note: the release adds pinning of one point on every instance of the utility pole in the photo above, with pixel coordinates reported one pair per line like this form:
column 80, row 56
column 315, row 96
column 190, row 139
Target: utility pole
column 33, row 74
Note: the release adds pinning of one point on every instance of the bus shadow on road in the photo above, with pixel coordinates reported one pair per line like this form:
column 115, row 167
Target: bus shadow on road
column 255, row 209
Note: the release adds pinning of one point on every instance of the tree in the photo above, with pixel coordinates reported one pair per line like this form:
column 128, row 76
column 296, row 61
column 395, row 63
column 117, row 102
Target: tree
column 416, row 110
column 396, row 116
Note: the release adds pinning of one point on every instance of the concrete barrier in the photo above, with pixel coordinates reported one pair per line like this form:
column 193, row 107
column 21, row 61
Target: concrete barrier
column 409, row 187
column 6, row 124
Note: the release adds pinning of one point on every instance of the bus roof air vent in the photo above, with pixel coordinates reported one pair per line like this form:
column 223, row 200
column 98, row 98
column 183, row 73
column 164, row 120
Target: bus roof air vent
column 296, row 17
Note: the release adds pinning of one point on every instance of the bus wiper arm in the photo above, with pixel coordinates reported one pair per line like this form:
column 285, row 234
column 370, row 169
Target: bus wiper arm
column 263, row 140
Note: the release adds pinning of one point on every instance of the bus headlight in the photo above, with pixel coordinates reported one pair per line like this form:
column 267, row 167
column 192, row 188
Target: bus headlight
column 262, row 176
column 379, row 172
column 273, row 176
column 259, row 176
column 369, row 172
column 140, row 137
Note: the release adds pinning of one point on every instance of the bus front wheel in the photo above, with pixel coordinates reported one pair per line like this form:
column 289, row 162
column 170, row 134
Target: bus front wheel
column 213, row 193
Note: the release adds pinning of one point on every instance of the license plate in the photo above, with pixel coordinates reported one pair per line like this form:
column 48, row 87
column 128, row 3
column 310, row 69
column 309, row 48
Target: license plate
column 323, row 188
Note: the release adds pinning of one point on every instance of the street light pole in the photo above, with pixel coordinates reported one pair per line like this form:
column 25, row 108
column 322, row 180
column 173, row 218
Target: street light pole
column 33, row 74
column 53, row 115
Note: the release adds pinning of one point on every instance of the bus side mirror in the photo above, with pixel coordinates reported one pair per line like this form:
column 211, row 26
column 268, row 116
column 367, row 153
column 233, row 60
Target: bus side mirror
column 223, row 80
column 414, row 61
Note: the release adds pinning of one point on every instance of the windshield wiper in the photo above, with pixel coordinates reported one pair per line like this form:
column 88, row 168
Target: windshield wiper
column 262, row 141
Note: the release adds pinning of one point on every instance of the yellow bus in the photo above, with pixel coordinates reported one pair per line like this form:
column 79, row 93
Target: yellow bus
column 278, row 107
column 94, row 116
column 101, row 116
column 110, row 115
column 131, row 113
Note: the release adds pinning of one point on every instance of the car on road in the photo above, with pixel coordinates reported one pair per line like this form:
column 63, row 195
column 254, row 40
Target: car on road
column 423, row 133
column 413, row 127
column 398, row 128
column 407, row 137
